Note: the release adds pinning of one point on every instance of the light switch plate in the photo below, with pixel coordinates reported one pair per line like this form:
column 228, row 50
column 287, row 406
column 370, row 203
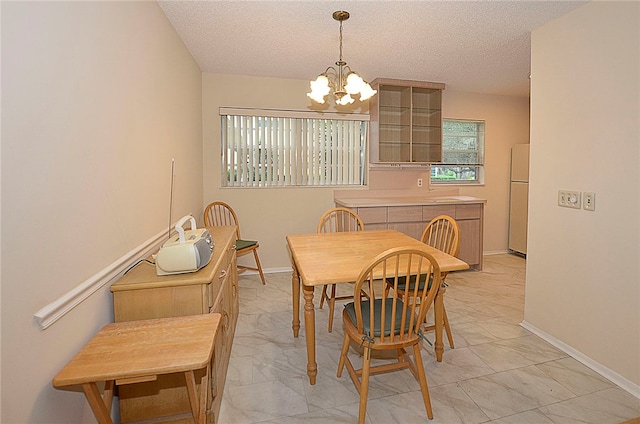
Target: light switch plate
column 569, row 199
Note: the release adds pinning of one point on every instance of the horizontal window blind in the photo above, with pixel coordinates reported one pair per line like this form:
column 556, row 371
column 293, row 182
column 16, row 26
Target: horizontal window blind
column 462, row 153
column 463, row 142
column 274, row 150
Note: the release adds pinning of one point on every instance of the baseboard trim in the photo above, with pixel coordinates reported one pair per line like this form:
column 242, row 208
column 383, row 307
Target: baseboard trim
column 270, row 270
column 629, row 386
column 495, row 252
column 55, row 310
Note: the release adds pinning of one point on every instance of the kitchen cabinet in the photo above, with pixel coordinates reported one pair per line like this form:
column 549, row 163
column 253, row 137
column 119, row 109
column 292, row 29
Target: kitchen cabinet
column 411, row 215
column 406, row 122
column 141, row 294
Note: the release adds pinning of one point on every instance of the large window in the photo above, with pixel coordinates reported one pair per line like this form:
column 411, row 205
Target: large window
column 462, row 153
column 266, row 148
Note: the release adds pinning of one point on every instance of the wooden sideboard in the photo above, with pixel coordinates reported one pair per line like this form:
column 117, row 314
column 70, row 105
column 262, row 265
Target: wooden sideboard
column 411, row 215
column 141, row 294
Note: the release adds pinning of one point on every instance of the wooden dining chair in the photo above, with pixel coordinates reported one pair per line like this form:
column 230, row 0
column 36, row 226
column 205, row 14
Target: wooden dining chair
column 386, row 321
column 442, row 232
column 221, row 214
column 333, row 221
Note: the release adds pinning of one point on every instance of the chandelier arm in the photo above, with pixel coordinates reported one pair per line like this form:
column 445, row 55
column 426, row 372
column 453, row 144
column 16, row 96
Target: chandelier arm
column 330, row 71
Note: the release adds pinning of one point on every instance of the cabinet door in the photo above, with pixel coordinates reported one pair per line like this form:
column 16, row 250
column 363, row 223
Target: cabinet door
column 426, row 125
column 226, row 304
column 394, row 124
column 218, row 357
column 470, row 241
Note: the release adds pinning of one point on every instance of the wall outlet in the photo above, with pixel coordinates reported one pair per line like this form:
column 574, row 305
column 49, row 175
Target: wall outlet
column 588, row 201
column 419, row 182
column 569, row 199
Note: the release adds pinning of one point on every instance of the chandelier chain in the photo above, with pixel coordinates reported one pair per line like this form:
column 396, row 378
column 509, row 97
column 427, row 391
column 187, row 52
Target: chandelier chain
column 340, row 41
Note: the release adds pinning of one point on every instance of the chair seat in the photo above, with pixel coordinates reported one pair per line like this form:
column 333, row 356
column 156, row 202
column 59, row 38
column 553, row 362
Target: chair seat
column 402, row 282
column 366, row 320
column 245, row 244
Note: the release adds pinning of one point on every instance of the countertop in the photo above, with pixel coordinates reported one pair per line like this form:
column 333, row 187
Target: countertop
column 406, row 201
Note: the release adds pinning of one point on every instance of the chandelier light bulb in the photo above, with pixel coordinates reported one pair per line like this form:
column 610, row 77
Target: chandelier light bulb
column 319, row 88
column 355, row 84
column 367, row 92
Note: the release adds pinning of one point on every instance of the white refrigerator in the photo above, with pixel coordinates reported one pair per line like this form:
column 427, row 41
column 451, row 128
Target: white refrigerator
column 519, row 198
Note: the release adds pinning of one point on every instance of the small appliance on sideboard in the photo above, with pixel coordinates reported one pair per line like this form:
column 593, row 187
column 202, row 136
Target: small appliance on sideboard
column 187, row 251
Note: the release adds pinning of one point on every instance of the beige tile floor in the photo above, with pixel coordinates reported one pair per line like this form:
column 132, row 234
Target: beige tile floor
column 498, row 372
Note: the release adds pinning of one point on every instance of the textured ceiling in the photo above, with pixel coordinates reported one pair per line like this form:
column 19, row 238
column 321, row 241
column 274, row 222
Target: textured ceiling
column 477, row 46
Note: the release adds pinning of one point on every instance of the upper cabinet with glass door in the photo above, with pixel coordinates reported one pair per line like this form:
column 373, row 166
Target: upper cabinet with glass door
column 406, row 122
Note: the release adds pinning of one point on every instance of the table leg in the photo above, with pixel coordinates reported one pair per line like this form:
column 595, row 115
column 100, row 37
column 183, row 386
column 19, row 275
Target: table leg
column 109, row 387
column 204, row 386
column 198, row 408
column 310, row 333
column 295, row 290
column 438, row 312
column 96, row 403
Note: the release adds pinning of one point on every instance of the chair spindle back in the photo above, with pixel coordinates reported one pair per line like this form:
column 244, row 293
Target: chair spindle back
column 339, row 220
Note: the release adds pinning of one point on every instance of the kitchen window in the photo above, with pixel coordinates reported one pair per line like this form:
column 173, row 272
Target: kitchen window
column 274, row 148
column 462, row 153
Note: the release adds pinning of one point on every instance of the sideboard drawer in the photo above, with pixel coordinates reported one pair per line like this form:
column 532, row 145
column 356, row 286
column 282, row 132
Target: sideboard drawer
column 473, row 211
column 372, row 215
column 404, row 213
column 431, row 211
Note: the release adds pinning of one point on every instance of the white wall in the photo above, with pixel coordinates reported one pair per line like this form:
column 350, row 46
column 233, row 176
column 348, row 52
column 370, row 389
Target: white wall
column 583, row 278
column 268, row 215
column 97, row 97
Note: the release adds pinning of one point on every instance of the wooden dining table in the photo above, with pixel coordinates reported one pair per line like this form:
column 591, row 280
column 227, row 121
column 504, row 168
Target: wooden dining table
column 328, row 258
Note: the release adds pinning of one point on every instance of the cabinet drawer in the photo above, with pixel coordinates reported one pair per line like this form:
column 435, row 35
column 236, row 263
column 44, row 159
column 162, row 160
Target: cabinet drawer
column 372, row 215
column 162, row 302
column 431, row 211
column 468, row 211
column 405, row 213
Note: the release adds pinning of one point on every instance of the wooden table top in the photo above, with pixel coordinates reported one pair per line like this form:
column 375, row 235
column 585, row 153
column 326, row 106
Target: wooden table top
column 137, row 349
column 327, row 258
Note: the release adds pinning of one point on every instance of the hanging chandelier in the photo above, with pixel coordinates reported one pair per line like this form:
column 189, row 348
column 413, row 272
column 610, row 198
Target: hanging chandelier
column 342, row 80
